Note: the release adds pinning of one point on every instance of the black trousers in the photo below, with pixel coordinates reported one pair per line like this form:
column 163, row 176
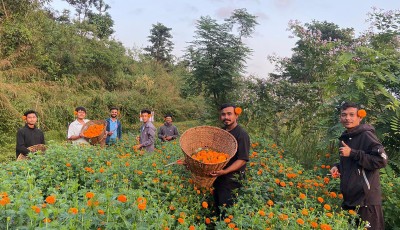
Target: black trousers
column 223, row 193
column 373, row 214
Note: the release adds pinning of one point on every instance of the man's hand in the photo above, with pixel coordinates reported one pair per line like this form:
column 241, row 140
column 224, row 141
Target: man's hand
column 110, row 133
column 335, row 172
column 218, row 173
column 168, row 138
column 345, row 150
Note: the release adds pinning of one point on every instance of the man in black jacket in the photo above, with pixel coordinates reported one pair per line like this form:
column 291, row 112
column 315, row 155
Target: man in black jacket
column 28, row 135
column 361, row 157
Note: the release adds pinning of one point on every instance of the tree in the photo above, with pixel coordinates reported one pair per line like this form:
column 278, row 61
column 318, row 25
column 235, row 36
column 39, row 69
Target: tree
column 218, row 56
column 161, row 44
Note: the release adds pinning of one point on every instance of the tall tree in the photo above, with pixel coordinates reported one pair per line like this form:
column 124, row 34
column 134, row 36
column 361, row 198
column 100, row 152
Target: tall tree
column 161, row 44
column 218, row 55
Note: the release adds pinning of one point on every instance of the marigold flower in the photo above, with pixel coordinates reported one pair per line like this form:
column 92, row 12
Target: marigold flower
column 51, row 199
column 181, row 220
column 101, row 170
column 4, row 201
column 122, row 198
column 36, row 209
column 300, row 221
column 302, row 196
column 108, row 163
column 75, row 113
column 320, row 200
column 192, row 227
column 231, row 225
column 314, row 224
column 327, row 207
column 270, row 202
column 329, row 214
column 340, row 196
column 352, row 212
column 68, row 164
column 230, row 217
column 73, row 211
column 238, row 111
column 362, row 113
column 89, row 195
column 304, row 212
column 208, row 221
column 261, row 213
column 204, row 204
column 282, row 184
column 332, row 195
column 142, row 206
column 325, row 227
column 101, row 212
column 283, row 216
column 46, row 220
column 227, row 220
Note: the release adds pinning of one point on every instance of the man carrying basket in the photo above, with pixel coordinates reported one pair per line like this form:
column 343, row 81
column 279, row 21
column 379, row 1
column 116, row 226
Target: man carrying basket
column 75, row 128
column 226, row 180
column 29, row 135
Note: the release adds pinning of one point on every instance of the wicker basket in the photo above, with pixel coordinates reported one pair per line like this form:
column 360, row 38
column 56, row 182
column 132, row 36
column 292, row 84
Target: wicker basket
column 202, row 137
column 101, row 137
column 33, row 148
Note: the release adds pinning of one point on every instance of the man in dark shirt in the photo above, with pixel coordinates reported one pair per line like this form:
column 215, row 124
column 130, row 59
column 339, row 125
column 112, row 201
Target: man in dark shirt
column 168, row 131
column 228, row 177
column 28, row 135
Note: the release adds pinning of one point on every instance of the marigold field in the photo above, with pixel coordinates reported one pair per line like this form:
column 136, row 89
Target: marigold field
column 118, row 187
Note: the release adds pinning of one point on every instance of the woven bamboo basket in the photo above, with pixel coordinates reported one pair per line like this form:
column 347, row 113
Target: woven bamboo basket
column 203, row 137
column 33, row 148
column 101, row 137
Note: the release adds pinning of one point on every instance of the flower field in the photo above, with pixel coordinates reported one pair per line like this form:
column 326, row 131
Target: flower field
column 74, row 187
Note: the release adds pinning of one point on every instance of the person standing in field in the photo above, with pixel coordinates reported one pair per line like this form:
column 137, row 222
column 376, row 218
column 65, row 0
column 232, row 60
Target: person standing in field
column 114, row 127
column 28, row 135
column 361, row 157
column 75, row 128
column 147, row 132
column 229, row 178
column 168, row 131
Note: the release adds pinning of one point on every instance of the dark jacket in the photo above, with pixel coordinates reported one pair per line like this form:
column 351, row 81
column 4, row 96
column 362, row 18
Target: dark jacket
column 27, row 137
column 168, row 130
column 147, row 136
column 119, row 130
column 359, row 173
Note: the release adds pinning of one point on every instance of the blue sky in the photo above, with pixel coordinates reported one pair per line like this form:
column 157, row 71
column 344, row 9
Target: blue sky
column 134, row 18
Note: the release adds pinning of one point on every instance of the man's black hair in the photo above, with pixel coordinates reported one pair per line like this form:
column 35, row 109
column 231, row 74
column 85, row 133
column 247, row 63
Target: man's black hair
column 168, row 115
column 80, row 108
column 113, row 108
column 226, row 105
column 30, row 112
column 346, row 105
column 145, row 111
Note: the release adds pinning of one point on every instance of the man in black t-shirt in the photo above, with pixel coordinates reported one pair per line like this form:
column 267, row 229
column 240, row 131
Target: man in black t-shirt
column 228, row 177
column 28, row 135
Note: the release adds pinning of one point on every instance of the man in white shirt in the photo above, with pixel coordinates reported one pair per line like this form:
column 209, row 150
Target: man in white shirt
column 75, row 128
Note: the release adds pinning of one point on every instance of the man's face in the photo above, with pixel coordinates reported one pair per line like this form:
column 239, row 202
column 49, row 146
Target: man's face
column 349, row 118
column 114, row 113
column 228, row 116
column 31, row 119
column 145, row 117
column 168, row 120
column 81, row 114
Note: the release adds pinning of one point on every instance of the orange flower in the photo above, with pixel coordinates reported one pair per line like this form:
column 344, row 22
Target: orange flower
column 362, row 113
column 327, row 207
column 304, row 212
column 283, row 216
column 352, row 212
column 75, row 113
column 261, row 213
column 51, row 199
column 36, row 209
column 192, row 227
column 340, row 196
column 89, row 195
column 101, row 170
column 238, row 111
column 282, row 184
column 108, row 163
column 208, row 221
column 209, row 156
column 73, row 211
column 122, row 198
column 227, row 220
column 302, row 196
column 332, row 195
column 231, row 225
column 314, row 225
column 68, row 164
column 4, row 201
column 300, row 221
column 320, row 200
column 325, row 227
column 142, row 206
column 46, row 220
column 204, row 204
column 24, row 118
column 270, row 202
column 101, row 212
column 181, row 220
column 93, row 131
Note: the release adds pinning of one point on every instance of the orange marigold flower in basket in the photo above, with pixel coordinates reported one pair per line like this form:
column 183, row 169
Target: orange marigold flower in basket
column 209, row 156
column 362, row 113
column 51, row 199
column 238, row 110
column 204, row 204
column 93, row 130
column 122, row 198
column 89, row 195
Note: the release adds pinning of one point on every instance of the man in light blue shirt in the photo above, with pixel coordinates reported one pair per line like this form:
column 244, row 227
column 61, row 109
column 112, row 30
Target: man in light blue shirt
column 114, row 127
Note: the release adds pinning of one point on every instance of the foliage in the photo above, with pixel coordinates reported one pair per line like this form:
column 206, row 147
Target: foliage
column 161, row 44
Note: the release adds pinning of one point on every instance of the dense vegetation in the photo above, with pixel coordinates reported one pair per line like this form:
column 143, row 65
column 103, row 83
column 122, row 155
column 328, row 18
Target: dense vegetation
column 53, row 62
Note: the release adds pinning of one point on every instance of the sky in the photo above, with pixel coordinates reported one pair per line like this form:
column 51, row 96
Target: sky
column 133, row 20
